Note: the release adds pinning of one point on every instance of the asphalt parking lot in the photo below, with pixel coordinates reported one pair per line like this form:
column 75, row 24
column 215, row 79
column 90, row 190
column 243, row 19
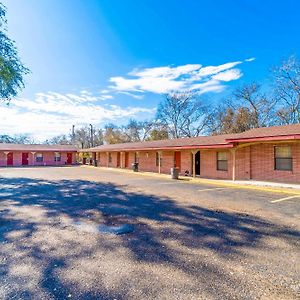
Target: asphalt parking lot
column 189, row 241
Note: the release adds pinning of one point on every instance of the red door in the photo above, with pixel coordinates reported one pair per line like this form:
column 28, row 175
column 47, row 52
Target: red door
column 10, row 159
column 177, row 159
column 24, row 159
column 69, row 158
column 126, row 159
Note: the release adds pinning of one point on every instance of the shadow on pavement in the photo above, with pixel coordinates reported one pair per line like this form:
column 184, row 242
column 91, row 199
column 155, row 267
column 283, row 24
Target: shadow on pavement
column 165, row 232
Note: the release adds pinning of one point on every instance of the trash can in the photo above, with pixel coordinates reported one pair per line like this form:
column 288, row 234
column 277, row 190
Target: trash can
column 174, row 173
column 95, row 162
column 135, row 167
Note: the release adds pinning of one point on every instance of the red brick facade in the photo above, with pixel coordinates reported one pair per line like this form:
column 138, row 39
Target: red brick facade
column 251, row 162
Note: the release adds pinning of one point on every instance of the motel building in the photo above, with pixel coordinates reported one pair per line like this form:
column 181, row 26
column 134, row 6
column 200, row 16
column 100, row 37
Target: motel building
column 264, row 154
column 15, row 155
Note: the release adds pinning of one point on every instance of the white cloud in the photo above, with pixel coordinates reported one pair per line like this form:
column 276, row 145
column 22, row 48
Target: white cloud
column 50, row 114
column 135, row 96
column 186, row 77
column 250, row 59
column 228, row 75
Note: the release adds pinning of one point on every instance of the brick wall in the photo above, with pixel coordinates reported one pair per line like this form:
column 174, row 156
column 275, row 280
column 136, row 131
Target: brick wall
column 48, row 159
column 262, row 164
column 208, row 165
column 252, row 162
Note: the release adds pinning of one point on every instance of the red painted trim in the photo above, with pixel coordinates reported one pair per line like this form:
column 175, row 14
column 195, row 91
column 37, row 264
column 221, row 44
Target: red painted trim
column 266, row 138
column 222, row 146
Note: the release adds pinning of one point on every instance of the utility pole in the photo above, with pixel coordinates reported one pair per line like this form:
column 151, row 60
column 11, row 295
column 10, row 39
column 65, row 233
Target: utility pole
column 92, row 135
column 73, row 134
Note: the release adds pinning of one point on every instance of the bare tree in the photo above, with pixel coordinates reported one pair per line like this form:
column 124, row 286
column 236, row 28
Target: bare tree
column 287, row 91
column 136, row 131
column 59, row 140
column 82, row 137
column 183, row 114
column 257, row 104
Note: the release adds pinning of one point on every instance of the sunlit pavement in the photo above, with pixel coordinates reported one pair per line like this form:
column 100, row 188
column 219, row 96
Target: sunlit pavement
column 189, row 241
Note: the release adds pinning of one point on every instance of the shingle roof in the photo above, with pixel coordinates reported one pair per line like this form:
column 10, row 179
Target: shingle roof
column 262, row 132
column 35, row 147
column 217, row 141
column 196, row 142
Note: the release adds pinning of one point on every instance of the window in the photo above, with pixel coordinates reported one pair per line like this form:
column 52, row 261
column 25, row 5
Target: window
column 109, row 158
column 283, row 158
column 157, row 159
column 39, row 157
column 57, row 156
column 222, row 163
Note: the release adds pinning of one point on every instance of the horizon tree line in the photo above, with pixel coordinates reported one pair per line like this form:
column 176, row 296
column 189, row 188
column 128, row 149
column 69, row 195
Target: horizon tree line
column 187, row 114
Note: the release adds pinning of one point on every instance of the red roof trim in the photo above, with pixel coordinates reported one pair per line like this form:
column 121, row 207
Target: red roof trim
column 160, row 148
column 266, row 138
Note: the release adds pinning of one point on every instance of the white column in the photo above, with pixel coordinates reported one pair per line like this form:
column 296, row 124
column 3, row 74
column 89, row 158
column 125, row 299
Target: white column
column 159, row 158
column 194, row 162
column 6, row 153
column 33, row 153
column 121, row 159
column 233, row 152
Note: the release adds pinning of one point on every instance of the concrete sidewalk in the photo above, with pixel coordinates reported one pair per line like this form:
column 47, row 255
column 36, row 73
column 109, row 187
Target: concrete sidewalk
column 273, row 187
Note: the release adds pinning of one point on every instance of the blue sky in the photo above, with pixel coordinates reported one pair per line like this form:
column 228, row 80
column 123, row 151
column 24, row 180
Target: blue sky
column 110, row 60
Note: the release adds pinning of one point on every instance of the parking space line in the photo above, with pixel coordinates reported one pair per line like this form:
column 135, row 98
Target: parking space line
column 284, row 199
column 213, row 189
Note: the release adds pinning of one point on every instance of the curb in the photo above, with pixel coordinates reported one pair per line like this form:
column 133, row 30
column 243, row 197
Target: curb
column 190, row 180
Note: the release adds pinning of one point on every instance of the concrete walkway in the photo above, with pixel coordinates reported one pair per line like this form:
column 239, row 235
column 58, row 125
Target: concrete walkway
column 274, row 187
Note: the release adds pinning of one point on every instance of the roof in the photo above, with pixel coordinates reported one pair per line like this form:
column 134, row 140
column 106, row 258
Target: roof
column 268, row 133
column 218, row 141
column 36, row 147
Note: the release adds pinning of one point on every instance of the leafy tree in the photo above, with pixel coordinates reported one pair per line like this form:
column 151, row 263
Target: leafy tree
column 159, row 132
column 16, row 139
column 114, row 135
column 11, row 68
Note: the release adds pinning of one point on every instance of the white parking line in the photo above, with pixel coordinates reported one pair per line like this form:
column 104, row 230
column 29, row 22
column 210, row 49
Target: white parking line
column 213, row 189
column 284, row 199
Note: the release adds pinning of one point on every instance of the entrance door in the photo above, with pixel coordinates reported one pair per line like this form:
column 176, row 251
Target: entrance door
column 10, row 159
column 197, row 163
column 118, row 159
column 126, row 159
column 24, row 159
column 69, row 158
column 177, row 160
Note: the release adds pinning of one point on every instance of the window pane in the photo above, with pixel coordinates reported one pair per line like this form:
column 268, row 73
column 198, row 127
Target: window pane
column 285, row 164
column 222, row 155
column 283, row 152
column 222, row 165
column 39, row 157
